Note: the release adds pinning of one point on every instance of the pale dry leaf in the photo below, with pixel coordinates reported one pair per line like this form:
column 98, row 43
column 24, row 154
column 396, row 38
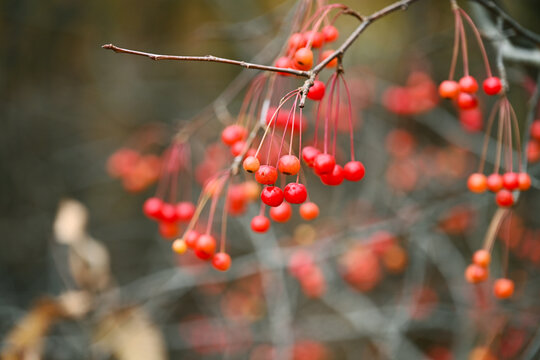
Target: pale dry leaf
column 70, row 223
column 90, row 264
column 75, row 304
column 129, row 334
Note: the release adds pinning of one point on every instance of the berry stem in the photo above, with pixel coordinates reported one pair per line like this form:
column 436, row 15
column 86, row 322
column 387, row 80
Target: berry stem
column 463, row 44
column 455, row 50
column 493, row 228
column 479, row 40
column 487, row 135
column 351, row 130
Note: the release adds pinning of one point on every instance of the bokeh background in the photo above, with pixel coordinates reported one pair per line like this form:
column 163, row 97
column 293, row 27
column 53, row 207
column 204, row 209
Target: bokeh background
column 67, row 105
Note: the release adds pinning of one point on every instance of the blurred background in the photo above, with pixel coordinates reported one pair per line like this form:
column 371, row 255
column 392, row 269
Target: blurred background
column 67, row 105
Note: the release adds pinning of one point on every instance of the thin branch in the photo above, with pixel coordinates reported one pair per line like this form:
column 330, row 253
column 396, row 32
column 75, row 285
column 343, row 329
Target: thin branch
column 209, row 58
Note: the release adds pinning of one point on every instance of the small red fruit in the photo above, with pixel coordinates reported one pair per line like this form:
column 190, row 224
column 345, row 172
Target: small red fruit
column 315, row 38
column 251, row 164
column 535, row 129
column 482, row 258
column 494, row 182
column 284, row 63
column 475, row 274
column 449, row 89
column 238, row 148
column 295, row 193
column 477, row 183
column 168, row 213
column 468, row 84
column 316, row 92
column 289, row 165
column 266, row 175
column 152, row 207
column 168, row 230
column 233, row 133
column 503, row 288
column 510, row 181
column 333, row 178
column 309, row 211
column 185, row 211
column 221, row 261
column 272, row 196
column 309, row 153
column 191, row 238
column 524, row 181
column 303, row 59
column 326, row 53
column 281, row 213
column 504, row 198
column 492, row 85
column 206, row 244
column 296, row 41
column 466, row 101
column 354, row 171
column 202, row 255
column 260, row 223
column 330, row 33
column 324, row 164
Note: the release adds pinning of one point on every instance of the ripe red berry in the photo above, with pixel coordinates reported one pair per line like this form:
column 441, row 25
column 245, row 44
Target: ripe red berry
column 303, row 59
column 272, row 196
column 524, row 181
column 482, row 258
column 297, row 41
column 510, row 181
column 152, row 207
column 466, row 101
column 316, row 92
column 168, row 213
column 330, row 33
column 191, row 238
column 324, row 164
column 206, row 243
column 468, row 84
column 185, row 211
column 285, row 63
column 295, row 193
column 202, row 255
column 449, row 89
column 221, row 261
column 504, row 198
column 251, row 164
column 260, row 223
column 289, row 165
column 168, row 230
column 326, row 53
column 281, row 213
column 266, row 175
column 494, row 182
column 315, row 38
column 309, row 153
column 477, row 183
column 238, row 147
column 535, row 129
column 492, row 85
column 233, row 133
column 309, row 211
column 333, row 178
column 503, row 288
column 475, row 274
column 354, row 171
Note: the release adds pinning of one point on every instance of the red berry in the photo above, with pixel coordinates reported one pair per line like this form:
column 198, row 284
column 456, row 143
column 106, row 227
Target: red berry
column 260, row 223
column 468, row 84
column 524, row 181
column 238, row 148
column 482, row 258
column 449, row 89
column 303, row 59
column 285, row 63
column 309, row 211
column 477, row 183
column 152, row 207
column 466, row 101
column 354, row 171
column 533, row 150
column 233, row 133
column 316, row 92
column 309, row 153
column 191, row 238
column 185, row 211
column 324, row 164
column 251, row 164
column 475, row 274
column 272, row 196
column 206, row 243
column 202, row 255
column 266, row 175
column 221, row 261
column 492, row 85
column 504, row 198
column 333, row 178
column 494, row 182
column 326, row 53
column 281, row 213
column 535, row 130
column 503, row 288
column 315, row 38
column 168, row 213
column 168, row 230
column 295, row 193
column 296, row 41
column 510, row 181
column 330, row 33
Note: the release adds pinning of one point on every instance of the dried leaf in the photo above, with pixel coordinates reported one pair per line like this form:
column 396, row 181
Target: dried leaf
column 70, row 223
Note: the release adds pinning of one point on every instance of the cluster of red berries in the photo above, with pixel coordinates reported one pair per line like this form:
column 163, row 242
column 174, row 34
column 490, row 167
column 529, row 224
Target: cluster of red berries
column 418, row 96
column 204, row 246
column 533, row 147
column 303, row 267
column 501, row 185
column 234, row 136
column 137, row 171
column 168, row 215
column 478, row 272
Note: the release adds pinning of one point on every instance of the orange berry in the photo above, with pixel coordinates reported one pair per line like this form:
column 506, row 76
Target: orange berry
column 303, row 59
column 179, row 246
column 333, row 62
column 482, row 258
column 309, row 211
column 251, row 164
column 475, row 274
column 477, row 183
column 503, row 288
column 449, row 89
